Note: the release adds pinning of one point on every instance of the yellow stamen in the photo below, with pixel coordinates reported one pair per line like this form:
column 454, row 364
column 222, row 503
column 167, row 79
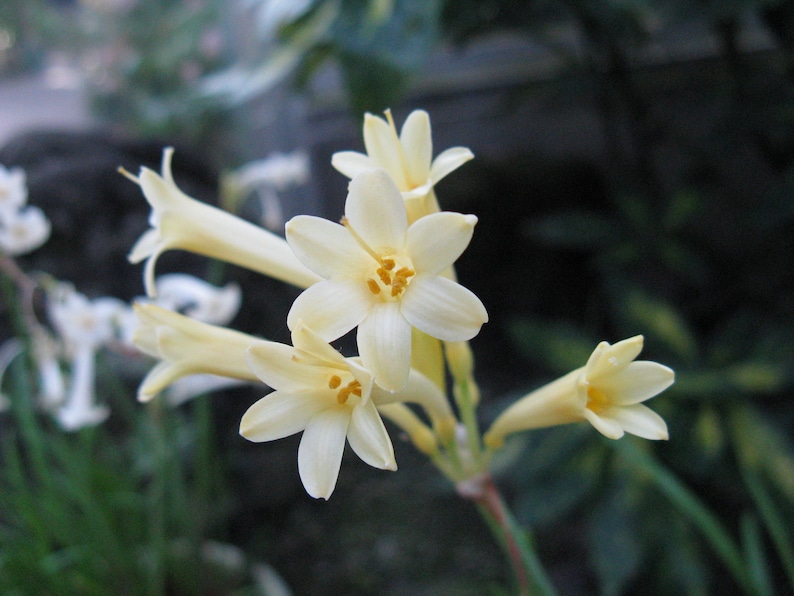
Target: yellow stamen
column 388, row 264
column 353, row 387
column 597, row 401
column 373, row 286
column 384, row 275
column 334, row 382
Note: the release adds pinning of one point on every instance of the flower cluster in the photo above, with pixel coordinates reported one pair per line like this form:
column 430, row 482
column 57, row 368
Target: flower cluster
column 385, row 270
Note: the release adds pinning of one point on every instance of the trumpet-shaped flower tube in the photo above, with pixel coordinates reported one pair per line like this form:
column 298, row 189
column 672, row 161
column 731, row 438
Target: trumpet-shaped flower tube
column 326, row 396
column 187, row 347
column 180, row 222
column 607, row 392
column 384, row 276
column 408, row 158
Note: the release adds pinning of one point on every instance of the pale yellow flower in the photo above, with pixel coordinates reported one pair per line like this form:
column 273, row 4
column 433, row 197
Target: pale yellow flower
column 325, row 395
column 408, row 159
column 187, row 347
column 607, row 392
column 180, row 222
column 384, row 276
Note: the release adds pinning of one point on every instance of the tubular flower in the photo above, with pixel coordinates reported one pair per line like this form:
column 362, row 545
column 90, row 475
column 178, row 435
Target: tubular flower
column 606, row 392
column 323, row 394
column 180, row 222
column 187, row 347
column 408, row 158
column 384, row 276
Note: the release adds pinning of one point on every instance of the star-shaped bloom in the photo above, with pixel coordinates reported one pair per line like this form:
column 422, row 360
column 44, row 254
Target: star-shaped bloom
column 180, row 222
column 325, row 395
column 384, row 276
column 408, row 158
column 187, row 347
column 607, row 392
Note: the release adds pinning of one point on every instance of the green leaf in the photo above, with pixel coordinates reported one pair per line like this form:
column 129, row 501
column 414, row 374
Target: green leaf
column 559, row 346
column 657, row 320
column 575, row 229
column 614, row 547
column 757, row 565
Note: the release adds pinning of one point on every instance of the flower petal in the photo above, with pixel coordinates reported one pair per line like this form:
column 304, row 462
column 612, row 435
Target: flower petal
column 443, row 308
column 641, row 421
column 325, row 247
column 308, row 344
column 609, row 359
column 369, row 439
column 158, row 378
column 383, row 148
column 384, row 343
column 376, row 211
column 636, row 383
column 321, row 449
column 280, row 415
column 351, row 163
column 331, row 308
column 611, row 429
column 417, row 147
column 448, row 161
column 274, row 365
column 435, row 241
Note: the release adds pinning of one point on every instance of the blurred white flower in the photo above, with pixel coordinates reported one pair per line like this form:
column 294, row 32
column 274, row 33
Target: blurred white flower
column 23, row 231
column 83, row 326
column 266, row 178
column 13, row 191
column 80, row 408
column 197, row 298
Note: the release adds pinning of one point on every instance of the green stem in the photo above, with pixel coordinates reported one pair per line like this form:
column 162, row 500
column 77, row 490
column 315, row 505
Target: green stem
column 529, row 574
column 468, row 415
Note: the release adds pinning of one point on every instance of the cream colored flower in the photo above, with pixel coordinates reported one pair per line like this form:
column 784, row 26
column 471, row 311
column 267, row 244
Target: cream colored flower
column 383, row 276
column 607, row 392
column 187, row 347
column 180, row 222
column 408, row 159
column 326, row 396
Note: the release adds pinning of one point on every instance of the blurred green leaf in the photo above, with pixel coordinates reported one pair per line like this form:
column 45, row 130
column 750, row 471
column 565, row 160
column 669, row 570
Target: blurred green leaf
column 574, row 229
column 757, row 565
column 660, row 321
column 614, row 541
column 559, row 346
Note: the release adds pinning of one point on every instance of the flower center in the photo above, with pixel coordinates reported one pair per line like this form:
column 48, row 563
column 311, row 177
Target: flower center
column 388, row 280
column 353, row 387
column 597, row 401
